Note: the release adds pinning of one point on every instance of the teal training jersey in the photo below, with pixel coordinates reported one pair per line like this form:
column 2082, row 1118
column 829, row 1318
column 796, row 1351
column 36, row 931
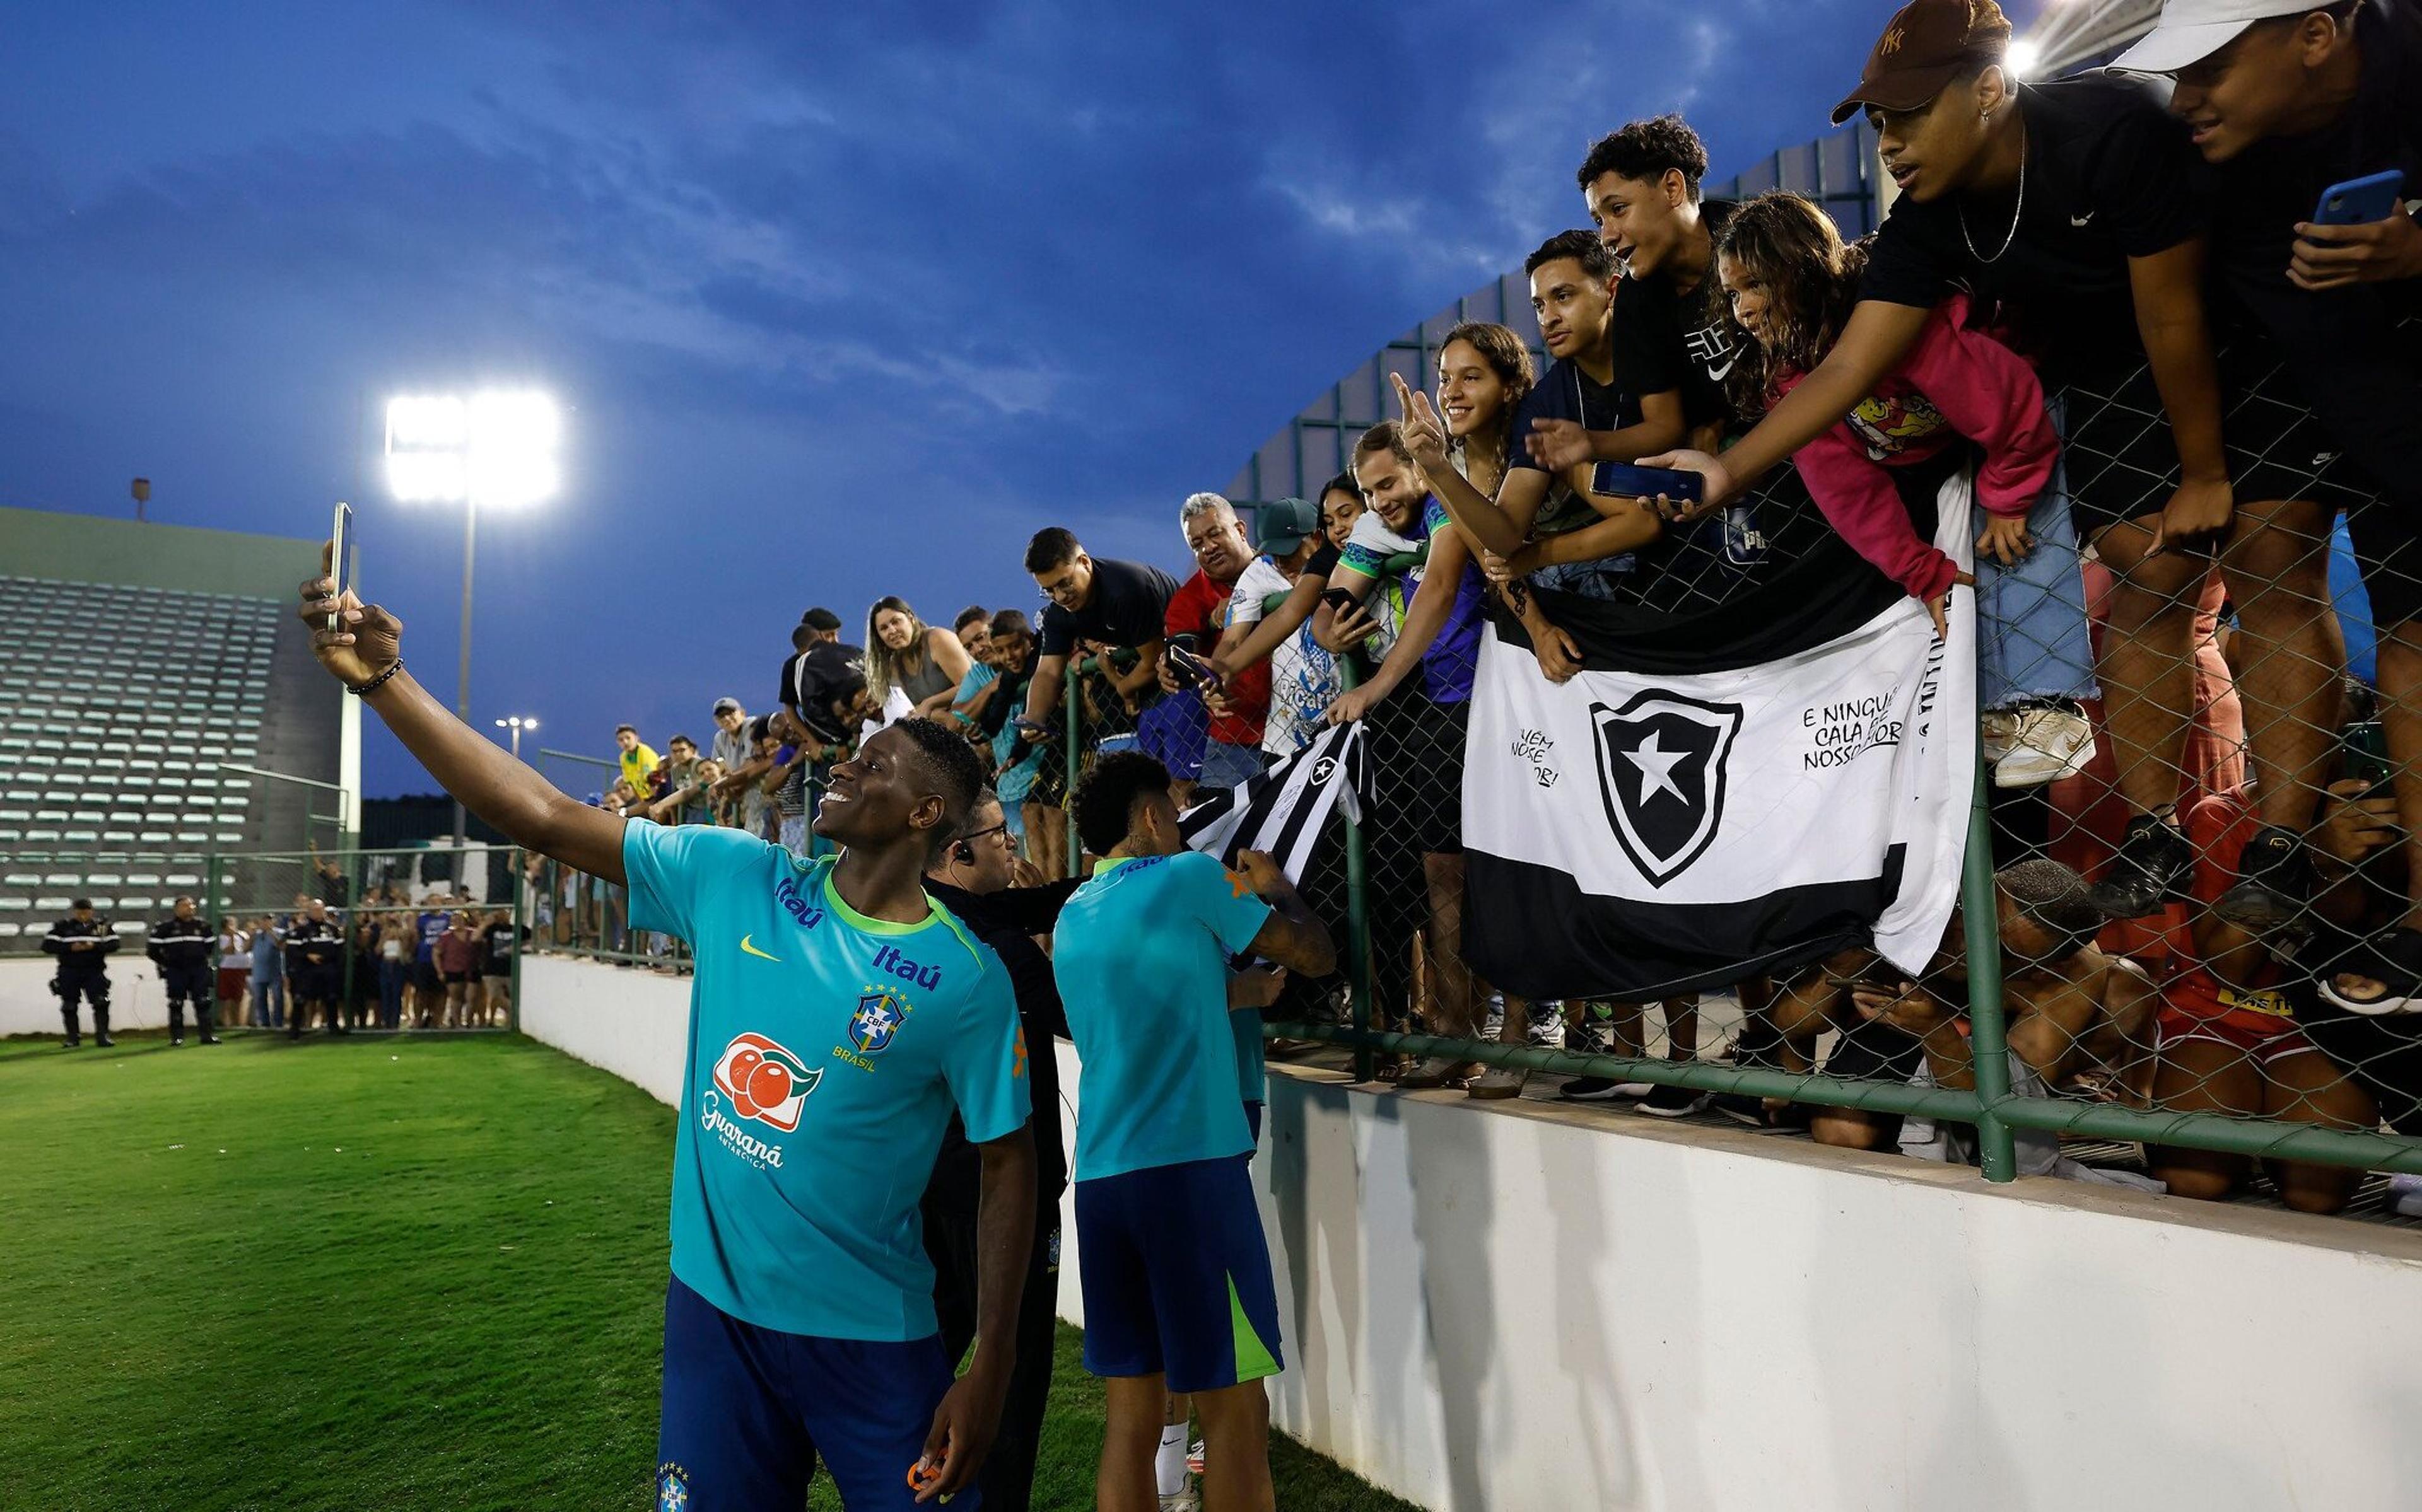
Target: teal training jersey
column 827, row 1051
column 1142, row 956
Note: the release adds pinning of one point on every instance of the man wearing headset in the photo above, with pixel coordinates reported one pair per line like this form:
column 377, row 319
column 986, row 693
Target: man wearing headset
column 1003, row 902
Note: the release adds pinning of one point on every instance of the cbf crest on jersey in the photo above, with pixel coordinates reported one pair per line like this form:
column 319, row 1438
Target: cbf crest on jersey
column 1661, row 768
column 879, row 1016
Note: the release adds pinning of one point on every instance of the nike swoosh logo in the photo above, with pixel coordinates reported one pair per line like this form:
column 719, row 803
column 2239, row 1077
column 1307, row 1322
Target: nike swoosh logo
column 1720, row 374
column 747, row 949
column 2082, row 221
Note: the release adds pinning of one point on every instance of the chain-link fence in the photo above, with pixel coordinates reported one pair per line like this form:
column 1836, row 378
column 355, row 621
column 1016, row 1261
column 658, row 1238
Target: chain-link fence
column 419, row 938
column 2180, row 955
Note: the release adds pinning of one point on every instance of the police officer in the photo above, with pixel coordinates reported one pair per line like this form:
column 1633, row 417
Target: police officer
column 315, row 949
column 181, row 947
column 83, row 946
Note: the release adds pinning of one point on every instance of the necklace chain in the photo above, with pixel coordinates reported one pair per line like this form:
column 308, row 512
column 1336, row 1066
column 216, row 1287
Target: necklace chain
column 2017, row 210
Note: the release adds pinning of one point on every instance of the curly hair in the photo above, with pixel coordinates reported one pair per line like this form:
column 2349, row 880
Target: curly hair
column 1789, row 249
column 1106, row 797
column 1648, row 150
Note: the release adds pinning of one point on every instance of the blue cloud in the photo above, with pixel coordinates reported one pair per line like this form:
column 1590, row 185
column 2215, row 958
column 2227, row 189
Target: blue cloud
column 843, row 301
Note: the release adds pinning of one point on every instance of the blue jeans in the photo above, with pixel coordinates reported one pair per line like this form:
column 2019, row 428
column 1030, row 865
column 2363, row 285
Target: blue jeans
column 268, row 1002
column 2031, row 625
column 1229, row 766
column 390, row 986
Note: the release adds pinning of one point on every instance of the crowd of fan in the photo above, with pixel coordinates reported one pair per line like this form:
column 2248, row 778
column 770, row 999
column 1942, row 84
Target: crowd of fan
column 2179, row 401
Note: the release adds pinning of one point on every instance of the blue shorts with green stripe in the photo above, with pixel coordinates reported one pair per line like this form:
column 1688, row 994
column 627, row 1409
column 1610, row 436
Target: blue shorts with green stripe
column 1176, row 1275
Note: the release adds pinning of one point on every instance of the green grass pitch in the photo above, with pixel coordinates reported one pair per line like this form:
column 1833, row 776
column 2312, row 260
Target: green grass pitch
column 387, row 1272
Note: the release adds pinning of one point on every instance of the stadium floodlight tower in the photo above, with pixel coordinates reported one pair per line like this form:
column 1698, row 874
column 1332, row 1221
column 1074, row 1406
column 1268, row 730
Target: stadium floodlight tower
column 494, row 448
column 517, row 723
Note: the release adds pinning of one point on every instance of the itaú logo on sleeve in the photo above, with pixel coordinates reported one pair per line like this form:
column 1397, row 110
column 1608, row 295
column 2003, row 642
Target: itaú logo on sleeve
column 764, row 1081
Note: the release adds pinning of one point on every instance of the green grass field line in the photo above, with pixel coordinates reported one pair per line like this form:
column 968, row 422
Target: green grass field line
column 389, row 1272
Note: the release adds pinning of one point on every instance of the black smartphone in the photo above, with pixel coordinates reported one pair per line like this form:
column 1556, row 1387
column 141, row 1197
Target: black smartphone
column 1186, row 668
column 1622, row 480
column 2363, row 753
column 1339, row 601
column 340, row 557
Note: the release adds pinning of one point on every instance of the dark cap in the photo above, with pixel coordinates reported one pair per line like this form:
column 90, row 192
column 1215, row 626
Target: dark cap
column 1284, row 524
column 79, row 904
column 821, row 618
column 1928, row 44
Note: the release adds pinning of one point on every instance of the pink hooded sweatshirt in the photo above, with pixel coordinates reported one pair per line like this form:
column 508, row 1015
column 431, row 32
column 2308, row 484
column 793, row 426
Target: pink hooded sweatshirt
column 1956, row 383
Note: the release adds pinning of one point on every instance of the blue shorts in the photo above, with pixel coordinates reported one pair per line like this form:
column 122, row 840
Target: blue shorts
column 747, row 1411
column 1176, row 1276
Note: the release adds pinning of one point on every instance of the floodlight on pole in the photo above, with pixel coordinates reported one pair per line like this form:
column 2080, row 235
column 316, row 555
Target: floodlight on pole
column 495, row 448
column 516, row 723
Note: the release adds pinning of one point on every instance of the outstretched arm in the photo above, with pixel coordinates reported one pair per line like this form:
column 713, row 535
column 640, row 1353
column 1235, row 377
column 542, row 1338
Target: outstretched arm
column 367, row 645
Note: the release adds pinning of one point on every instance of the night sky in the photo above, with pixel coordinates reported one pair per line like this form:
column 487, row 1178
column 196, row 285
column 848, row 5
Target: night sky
column 838, row 304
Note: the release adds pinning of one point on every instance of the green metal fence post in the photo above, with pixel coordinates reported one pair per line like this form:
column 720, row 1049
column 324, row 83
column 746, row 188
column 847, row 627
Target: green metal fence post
column 1358, row 918
column 1987, row 1048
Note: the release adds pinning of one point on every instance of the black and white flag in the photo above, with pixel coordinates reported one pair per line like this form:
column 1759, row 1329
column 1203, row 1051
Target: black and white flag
column 1284, row 810
column 1631, row 833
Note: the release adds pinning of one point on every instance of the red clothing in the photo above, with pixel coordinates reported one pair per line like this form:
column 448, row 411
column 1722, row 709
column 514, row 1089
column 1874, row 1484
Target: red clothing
column 2088, row 814
column 2257, row 1017
column 1200, row 609
column 455, row 952
column 1954, row 384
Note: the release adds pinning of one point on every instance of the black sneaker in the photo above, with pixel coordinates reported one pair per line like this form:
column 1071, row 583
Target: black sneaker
column 2151, row 869
column 176, row 1042
column 210, row 1039
column 1673, row 1102
column 104, row 1041
column 2274, row 881
column 1740, row 1108
column 1600, row 1089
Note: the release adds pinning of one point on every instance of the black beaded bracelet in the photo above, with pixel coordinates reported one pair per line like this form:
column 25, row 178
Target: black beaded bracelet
column 376, row 683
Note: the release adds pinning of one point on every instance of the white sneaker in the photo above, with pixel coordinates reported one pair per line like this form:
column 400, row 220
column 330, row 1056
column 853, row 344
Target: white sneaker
column 2038, row 744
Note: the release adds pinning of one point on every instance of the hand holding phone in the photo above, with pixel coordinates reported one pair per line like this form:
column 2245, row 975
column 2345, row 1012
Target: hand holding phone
column 1339, row 601
column 1627, row 481
column 2359, row 234
column 340, row 560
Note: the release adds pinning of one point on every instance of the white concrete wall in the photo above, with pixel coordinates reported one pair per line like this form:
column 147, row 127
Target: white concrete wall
column 1533, row 1307
column 27, row 1005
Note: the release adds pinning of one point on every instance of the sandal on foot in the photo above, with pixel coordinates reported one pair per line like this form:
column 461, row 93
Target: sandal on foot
column 2392, row 958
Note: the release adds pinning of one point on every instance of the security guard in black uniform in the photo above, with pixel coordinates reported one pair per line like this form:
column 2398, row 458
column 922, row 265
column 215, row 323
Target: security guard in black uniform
column 315, row 953
column 83, row 946
column 181, row 947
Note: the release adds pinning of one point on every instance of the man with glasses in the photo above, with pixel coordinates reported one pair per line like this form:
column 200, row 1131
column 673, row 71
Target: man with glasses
column 979, row 877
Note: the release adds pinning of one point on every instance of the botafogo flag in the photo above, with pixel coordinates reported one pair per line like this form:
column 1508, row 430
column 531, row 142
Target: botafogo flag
column 1283, row 810
column 1727, row 793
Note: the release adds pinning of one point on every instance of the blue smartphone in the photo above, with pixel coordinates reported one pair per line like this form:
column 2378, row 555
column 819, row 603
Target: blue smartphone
column 2362, row 201
column 1622, row 480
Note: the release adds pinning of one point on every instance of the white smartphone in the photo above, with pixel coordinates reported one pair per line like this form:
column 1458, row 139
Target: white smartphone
column 340, row 557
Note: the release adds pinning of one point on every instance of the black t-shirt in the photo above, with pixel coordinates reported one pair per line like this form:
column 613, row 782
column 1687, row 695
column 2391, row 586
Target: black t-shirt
column 498, row 939
column 1129, row 603
column 1666, row 340
column 2360, row 372
column 2110, row 176
column 1008, row 922
column 1566, row 393
column 816, row 676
